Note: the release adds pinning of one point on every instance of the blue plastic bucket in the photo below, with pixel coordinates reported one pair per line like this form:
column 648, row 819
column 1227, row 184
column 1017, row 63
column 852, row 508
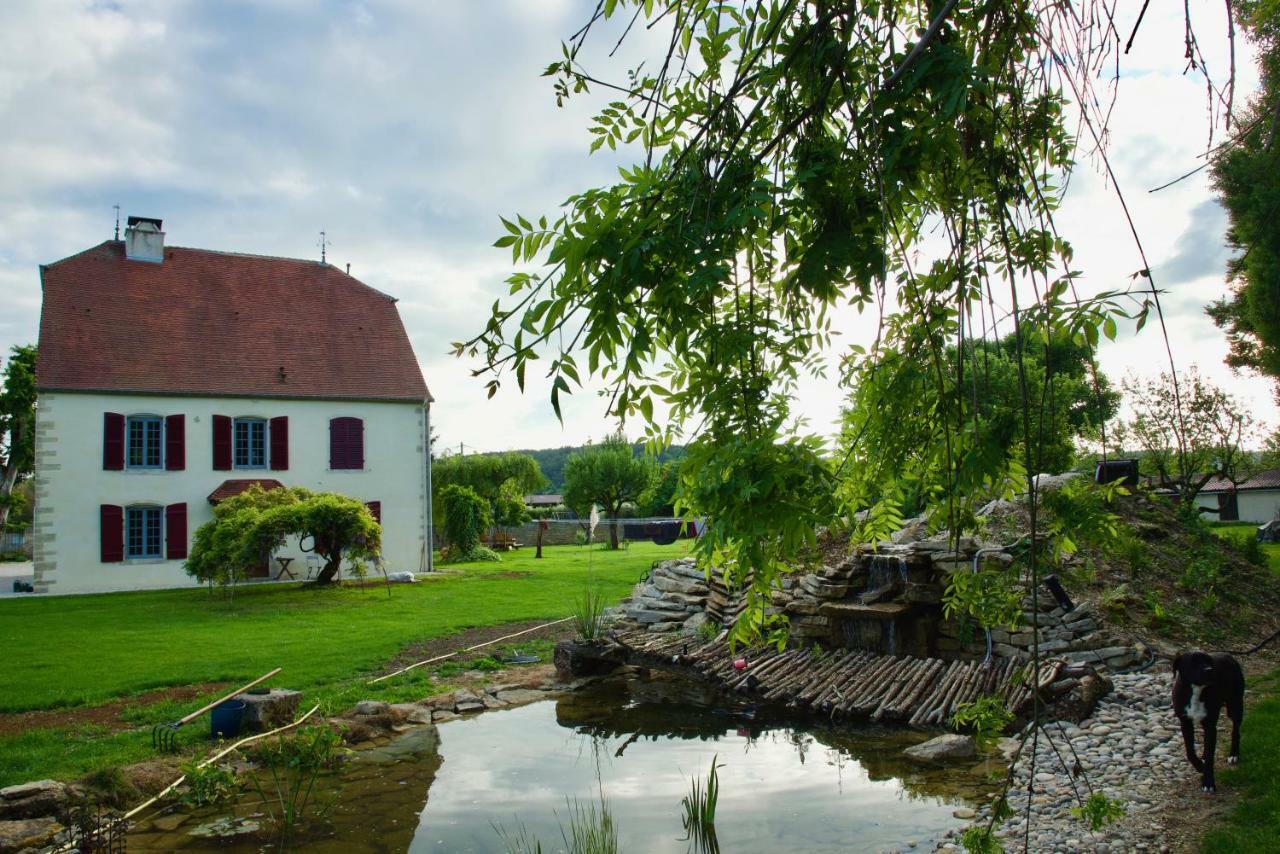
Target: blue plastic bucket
column 224, row 720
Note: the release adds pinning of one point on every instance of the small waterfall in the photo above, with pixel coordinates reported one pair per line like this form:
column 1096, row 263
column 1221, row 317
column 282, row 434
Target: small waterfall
column 883, row 570
column 886, row 577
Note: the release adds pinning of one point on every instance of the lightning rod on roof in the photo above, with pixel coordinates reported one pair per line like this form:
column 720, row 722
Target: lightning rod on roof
column 117, row 207
column 324, row 246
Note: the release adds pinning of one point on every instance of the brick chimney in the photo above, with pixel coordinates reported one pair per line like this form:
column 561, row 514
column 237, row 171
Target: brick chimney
column 143, row 240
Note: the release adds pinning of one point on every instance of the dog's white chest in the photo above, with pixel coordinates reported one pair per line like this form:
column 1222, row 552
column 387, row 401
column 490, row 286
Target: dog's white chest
column 1195, row 708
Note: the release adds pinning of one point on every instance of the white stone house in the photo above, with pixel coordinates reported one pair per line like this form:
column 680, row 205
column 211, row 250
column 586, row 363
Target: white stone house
column 1255, row 499
column 170, row 378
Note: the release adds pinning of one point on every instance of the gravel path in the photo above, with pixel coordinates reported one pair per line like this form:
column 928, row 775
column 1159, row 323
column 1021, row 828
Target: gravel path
column 1130, row 750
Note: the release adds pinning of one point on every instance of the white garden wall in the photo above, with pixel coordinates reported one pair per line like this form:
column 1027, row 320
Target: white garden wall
column 71, row 483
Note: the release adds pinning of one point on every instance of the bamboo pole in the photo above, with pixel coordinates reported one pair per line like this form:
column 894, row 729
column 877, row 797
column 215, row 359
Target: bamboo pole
column 469, row 649
column 212, row 759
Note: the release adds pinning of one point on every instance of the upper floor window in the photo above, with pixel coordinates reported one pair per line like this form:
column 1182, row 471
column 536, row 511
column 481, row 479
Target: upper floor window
column 144, row 441
column 250, row 443
column 346, row 443
column 143, row 532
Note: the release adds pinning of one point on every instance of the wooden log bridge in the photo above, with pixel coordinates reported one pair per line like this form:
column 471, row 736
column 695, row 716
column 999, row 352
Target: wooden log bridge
column 920, row 692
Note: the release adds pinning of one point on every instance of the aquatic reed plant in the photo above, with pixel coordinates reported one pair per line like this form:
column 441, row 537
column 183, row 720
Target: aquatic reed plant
column 700, row 812
column 294, row 764
column 588, row 613
column 590, row 831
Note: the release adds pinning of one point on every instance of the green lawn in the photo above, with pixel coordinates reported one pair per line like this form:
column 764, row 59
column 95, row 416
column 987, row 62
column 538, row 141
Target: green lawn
column 1254, row 825
column 83, row 650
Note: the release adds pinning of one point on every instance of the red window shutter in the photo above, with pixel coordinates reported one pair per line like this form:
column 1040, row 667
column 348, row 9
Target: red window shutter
column 280, row 443
column 375, row 507
column 175, row 531
column 112, row 532
column 221, row 443
column 112, row 441
column 346, row 443
column 175, row 442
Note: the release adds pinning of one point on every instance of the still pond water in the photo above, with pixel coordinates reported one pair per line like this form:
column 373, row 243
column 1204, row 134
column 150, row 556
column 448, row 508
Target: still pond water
column 466, row 785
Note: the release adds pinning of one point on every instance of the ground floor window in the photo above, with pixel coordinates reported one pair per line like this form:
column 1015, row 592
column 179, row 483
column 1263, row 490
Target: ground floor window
column 143, row 532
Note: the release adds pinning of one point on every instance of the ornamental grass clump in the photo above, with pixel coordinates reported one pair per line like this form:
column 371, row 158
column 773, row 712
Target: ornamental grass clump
column 588, row 613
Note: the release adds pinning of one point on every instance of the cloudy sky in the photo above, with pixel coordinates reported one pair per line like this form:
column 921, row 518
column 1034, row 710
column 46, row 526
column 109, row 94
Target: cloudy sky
column 403, row 129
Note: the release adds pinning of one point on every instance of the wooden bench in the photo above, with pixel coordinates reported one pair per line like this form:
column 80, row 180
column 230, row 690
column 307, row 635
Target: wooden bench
column 504, row 543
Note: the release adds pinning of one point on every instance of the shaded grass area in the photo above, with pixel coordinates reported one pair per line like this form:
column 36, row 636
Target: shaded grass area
column 82, row 650
column 1254, row 825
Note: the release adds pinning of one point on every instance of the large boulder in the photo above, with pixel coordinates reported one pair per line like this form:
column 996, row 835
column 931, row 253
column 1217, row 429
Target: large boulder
column 943, row 748
column 32, row 800
column 27, row 834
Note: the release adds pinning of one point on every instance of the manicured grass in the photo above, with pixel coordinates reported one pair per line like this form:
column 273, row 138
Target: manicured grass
column 84, row 650
column 1254, row 825
column 1237, row 531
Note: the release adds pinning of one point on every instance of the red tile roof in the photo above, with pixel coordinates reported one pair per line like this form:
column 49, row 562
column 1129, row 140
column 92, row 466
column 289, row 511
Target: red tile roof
column 232, row 488
column 218, row 323
column 1269, row 479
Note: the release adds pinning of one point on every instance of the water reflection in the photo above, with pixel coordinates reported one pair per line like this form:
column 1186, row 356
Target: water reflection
column 782, row 787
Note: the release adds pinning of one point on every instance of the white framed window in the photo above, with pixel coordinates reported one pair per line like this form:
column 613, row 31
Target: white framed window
column 143, row 531
column 144, row 442
column 249, row 443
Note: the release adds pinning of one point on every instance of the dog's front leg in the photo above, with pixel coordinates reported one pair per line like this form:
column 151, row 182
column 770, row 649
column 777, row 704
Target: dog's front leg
column 1189, row 739
column 1210, row 745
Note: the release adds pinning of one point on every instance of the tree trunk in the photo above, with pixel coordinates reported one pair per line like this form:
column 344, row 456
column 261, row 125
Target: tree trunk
column 6, row 491
column 541, row 528
column 332, row 563
column 613, row 532
column 10, row 472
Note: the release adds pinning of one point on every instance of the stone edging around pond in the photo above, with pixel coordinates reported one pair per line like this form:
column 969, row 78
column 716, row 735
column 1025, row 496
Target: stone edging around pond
column 1129, row 750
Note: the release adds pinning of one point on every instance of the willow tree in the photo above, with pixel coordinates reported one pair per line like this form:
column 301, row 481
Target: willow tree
column 789, row 160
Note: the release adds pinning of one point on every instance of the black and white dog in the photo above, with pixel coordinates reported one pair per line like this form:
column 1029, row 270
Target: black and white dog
column 1202, row 685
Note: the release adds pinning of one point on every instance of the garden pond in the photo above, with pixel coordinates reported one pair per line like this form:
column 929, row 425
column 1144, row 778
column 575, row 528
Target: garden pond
column 477, row 783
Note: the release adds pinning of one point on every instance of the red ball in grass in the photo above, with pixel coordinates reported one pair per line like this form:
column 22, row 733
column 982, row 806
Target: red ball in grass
column 740, row 664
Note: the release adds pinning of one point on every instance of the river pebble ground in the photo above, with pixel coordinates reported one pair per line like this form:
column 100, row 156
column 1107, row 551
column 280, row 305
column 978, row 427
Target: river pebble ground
column 1130, row 750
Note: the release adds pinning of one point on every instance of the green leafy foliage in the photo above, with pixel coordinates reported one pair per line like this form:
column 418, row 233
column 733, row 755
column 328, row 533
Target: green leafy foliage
column 249, row 527
column 784, row 162
column 1246, row 176
column 206, row 785
column 503, row 480
column 609, row 475
column 466, row 518
column 1098, row 811
column 17, row 424
column 990, row 598
column 979, row 839
column 986, row 718
column 1080, row 514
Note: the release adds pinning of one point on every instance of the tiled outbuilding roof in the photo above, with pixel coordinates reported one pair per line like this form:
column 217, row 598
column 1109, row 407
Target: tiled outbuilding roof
column 232, row 488
column 217, row 323
column 1269, row 479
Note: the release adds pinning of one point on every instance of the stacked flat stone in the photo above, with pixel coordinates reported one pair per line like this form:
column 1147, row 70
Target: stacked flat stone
column 1077, row 636
column 674, row 596
column 803, row 595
